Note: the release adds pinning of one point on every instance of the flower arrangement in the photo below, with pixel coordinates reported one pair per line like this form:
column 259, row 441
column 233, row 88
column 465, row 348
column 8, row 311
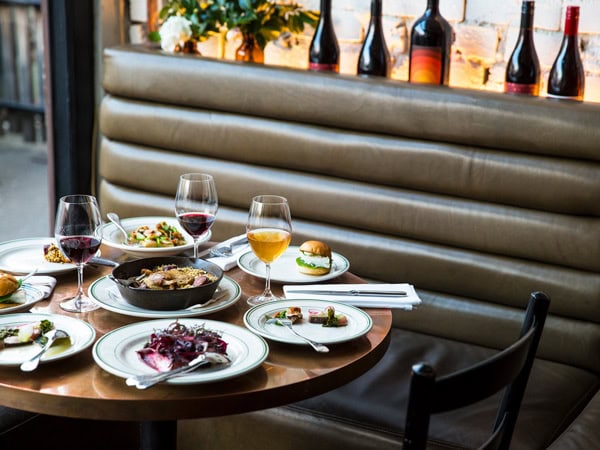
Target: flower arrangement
column 187, row 22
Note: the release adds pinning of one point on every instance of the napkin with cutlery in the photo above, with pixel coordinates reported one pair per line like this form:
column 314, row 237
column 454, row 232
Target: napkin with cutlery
column 397, row 296
column 227, row 262
column 42, row 283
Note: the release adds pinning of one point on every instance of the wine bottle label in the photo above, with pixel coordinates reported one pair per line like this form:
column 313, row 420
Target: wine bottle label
column 426, row 65
column 520, row 88
column 323, row 67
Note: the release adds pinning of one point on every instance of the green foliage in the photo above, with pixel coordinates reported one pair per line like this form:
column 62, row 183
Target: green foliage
column 266, row 19
column 205, row 17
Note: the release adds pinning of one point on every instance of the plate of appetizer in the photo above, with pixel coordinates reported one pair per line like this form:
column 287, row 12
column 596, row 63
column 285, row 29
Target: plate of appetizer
column 22, row 256
column 312, row 262
column 322, row 321
column 20, row 337
column 104, row 292
column 149, row 236
column 130, row 351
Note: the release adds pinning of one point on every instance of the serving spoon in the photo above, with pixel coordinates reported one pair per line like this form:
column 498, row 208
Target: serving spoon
column 114, row 218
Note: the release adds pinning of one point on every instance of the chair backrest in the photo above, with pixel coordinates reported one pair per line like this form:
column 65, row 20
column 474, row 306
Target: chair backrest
column 509, row 368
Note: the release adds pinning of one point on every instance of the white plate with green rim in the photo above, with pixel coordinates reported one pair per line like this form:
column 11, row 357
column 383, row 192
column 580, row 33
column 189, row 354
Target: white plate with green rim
column 104, row 292
column 285, row 269
column 22, row 256
column 116, row 351
column 359, row 322
column 81, row 333
column 21, row 300
column 113, row 237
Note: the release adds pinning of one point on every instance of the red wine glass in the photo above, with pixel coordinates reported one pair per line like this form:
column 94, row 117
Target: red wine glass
column 77, row 234
column 196, row 204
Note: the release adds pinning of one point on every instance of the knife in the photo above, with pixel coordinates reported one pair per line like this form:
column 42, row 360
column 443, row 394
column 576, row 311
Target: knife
column 352, row 292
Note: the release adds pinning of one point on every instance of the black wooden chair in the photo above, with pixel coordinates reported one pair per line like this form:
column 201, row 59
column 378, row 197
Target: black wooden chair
column 509, row 368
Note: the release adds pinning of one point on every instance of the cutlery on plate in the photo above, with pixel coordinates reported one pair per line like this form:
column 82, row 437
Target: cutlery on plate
column 102, row 261
column 227, row 250
column 204, row 360
column 114, row 218
column 51, row 336
column 288, row 324
column 351, row 292
column 30, row 274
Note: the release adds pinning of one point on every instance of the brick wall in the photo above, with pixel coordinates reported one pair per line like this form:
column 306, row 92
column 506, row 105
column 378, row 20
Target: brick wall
column 486, row 32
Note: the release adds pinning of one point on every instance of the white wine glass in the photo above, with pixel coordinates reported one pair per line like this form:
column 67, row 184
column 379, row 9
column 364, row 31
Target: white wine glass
column 78, row 236
column 269, row 231
column 196, row 204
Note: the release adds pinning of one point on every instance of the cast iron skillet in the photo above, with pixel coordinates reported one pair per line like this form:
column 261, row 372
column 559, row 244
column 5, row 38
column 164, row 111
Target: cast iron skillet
column 164, row 299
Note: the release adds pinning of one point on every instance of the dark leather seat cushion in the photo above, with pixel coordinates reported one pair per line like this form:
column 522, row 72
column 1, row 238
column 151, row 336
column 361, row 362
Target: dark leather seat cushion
column 556, row 393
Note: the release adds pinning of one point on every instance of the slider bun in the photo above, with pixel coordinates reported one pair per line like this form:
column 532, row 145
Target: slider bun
column 317, row 248
column 8, row 284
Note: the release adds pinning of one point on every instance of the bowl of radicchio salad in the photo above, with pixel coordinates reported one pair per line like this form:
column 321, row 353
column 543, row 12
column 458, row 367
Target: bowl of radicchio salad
column 169, row 283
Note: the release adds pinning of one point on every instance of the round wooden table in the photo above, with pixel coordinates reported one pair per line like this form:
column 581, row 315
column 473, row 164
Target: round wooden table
column 77, row 387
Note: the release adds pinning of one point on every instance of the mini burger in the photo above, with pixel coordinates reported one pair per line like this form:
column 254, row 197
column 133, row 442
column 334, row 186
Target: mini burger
column 8, row 284
column 314, row 259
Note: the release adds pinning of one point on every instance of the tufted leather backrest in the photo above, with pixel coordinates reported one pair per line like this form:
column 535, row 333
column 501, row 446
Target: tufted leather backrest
column 476, row 198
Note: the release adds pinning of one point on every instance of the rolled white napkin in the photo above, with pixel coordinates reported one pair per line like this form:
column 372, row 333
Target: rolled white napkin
column 42, row 283
column 228, row 262
column 406, row 297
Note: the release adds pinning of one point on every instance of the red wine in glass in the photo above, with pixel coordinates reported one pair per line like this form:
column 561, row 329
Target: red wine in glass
column 196, row 224
column 79, row 249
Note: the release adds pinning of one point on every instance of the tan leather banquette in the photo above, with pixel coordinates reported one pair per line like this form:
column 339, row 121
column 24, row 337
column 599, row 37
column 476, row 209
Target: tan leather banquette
column 475, row 198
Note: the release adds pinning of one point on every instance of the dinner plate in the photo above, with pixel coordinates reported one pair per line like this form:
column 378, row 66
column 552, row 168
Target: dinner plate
column 285, row 270
column 82, row 336
column 113, row 237
column 22, row 256
column 116, row 351
column 359, row 322
column 26, row 296
column 104, row 292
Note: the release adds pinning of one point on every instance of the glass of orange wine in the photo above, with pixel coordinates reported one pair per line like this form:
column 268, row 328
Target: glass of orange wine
column 269, row 231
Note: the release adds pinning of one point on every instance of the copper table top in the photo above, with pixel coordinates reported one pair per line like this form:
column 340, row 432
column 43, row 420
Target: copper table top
column 78, row 387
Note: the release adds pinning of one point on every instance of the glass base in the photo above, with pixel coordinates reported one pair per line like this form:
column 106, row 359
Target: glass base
column 78, row 305
column 262, row 298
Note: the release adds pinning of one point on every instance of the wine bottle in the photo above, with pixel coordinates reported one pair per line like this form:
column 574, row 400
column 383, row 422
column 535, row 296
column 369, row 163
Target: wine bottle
column 374, row 58
column 523, row 69
column 567, row 78
column 324, row 53
column 430, row 47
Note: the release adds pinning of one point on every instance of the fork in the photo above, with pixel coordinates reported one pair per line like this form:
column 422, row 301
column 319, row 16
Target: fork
column 288, row 324
column 227, row 250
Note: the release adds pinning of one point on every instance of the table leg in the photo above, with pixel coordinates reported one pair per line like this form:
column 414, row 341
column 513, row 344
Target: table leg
column 158, row 435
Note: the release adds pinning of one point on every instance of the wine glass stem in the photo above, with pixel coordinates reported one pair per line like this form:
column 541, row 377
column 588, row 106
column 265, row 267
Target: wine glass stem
column 268, row 292
column 80, row 294
column 196, row 240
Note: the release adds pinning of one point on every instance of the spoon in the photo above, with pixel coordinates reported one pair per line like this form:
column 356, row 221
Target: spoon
column 288, row 324
column 114, row 218
column 52, row 336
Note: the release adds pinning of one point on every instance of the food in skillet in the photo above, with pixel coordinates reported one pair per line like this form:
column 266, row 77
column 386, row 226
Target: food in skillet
column 177, row 345
column 25, row 333
column 170, row 277
column 314, row 258
column 328, row 317
column 161, row 235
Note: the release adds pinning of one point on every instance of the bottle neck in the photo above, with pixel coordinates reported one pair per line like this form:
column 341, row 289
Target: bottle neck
column 376, row 8
column 527, row 15
column 325, row 8
column 572, row 21
column 433, row 6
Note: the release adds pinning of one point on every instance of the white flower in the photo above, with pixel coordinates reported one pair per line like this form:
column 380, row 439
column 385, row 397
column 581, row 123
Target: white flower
column 176, row 30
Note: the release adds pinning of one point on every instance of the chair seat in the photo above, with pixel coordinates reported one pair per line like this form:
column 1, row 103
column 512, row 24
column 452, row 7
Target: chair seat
column 370, row 411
